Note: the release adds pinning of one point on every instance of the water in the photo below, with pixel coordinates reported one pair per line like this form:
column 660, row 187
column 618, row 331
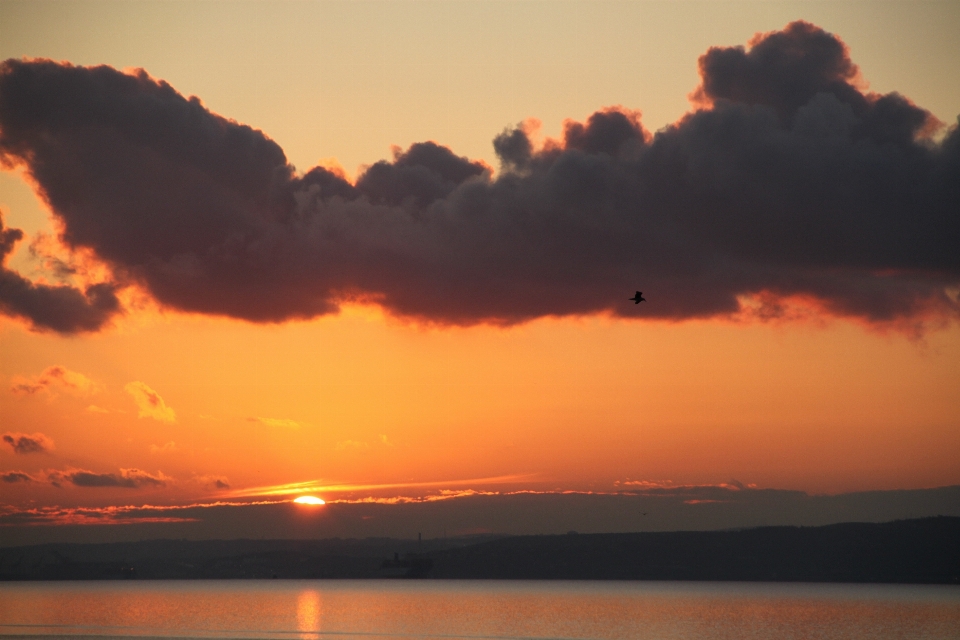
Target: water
column 386, row 610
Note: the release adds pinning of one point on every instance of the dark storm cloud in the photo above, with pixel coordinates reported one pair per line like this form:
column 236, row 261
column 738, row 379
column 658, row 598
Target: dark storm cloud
column 789, row 181
column 127, row 478
column 26, row 443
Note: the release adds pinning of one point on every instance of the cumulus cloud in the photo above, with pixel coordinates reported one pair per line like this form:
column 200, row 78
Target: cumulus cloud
column 127, row 478
column 23, row 443
column 53, row 379
column 790, row 184
column 16, row 476
column 149, row 403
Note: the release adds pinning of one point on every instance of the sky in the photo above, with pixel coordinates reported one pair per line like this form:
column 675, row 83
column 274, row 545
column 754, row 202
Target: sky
column 381, row 253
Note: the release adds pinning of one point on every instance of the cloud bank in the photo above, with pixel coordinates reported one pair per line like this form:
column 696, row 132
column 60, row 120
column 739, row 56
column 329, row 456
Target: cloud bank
column 790, row 183
column 466, row 512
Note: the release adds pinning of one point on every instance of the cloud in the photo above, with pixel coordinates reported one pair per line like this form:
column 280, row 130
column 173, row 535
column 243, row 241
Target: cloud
column 213, row 482
column 436, row 516
column 277, row 422
column 118, row 514
column 22, row 443
column 16, row 476
column 52, row 379
column 149, row 403
column 169, row 447
column 60, row 308
column 320, row 486
column 351, row 445
column 346, row 445
column 127, row 478
column 789, row 186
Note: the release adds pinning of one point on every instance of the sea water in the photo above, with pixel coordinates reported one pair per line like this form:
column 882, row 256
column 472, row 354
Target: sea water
column 385, row 610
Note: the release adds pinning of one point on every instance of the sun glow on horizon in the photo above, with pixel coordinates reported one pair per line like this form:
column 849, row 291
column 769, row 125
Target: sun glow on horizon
column 313, row 500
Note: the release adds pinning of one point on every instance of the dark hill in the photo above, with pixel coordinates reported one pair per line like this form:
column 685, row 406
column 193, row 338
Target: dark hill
column 907, row 551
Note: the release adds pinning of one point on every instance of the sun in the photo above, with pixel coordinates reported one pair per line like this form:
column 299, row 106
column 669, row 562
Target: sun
column 309, row 500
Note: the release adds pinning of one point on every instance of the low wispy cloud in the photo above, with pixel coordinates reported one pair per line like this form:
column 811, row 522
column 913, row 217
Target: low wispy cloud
column 691, row 494
column 149, row 403
column 23, row 443
column 52, row 380
column 168, row 447
column 127, row 478
column 95, row 409
column 115, row 515
column 279, row 423
column 360, row 445
column 321, row 486
column 16, row 476
column 351, row 445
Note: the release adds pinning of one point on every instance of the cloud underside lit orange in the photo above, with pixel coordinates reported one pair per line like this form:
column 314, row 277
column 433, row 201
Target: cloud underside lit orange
column 159, row 514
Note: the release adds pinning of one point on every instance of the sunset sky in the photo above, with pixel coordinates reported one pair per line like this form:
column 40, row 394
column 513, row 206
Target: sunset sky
column 226, row 299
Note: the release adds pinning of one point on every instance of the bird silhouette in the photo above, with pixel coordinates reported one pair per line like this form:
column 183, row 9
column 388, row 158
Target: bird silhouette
column 637, row 299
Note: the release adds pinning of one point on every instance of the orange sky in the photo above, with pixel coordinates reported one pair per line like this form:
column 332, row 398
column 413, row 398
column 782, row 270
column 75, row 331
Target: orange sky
column 199, row 407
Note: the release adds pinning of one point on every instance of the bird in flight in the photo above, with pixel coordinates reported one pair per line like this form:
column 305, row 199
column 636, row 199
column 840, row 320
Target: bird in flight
column 637, row 299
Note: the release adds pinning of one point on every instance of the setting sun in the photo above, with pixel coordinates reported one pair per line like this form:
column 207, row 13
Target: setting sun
column 309, row 500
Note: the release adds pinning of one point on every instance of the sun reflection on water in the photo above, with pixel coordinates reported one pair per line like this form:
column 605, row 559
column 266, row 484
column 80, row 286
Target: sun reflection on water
column 308, row 613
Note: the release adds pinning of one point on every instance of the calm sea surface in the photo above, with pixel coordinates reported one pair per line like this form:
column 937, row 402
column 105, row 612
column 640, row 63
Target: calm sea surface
column 324, row 609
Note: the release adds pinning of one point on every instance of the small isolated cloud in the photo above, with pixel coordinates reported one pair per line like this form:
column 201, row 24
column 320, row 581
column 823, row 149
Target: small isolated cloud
column 351, row 445
column 16, row 476
column 127, row 478
column 95, row 409
column 53, row 379
column 24, row 443
column 278, row 422
column 355, row 445
column 169, row 447
column 213, row 482
column 149, row 403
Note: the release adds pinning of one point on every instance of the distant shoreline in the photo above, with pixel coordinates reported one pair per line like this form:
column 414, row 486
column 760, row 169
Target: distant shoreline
column 919, row 551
